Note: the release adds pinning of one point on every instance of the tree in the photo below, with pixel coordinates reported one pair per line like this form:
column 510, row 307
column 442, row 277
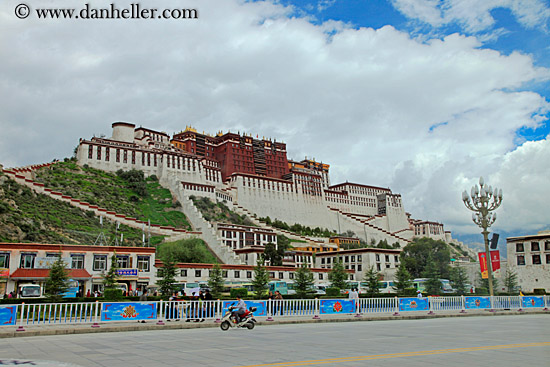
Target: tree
column 371, row 278
column 261, row 278
column 459, row 279
column 338, row 275
column 510, row 280
column 110, row 278
column 167, row 276
column 484, row 283
column 56, row 284
column 216, row 282
column 272, row 255
column 415, row 256
column 402, row 279
column 303, row 280
column 431, row 271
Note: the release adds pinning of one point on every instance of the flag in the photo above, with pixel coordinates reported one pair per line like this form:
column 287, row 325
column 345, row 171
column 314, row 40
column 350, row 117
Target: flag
column 483, row 265
column 495, row 260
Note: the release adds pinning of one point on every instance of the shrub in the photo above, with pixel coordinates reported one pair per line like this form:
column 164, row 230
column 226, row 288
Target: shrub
column 112, row 294
column 333, row 292
column 241, row 292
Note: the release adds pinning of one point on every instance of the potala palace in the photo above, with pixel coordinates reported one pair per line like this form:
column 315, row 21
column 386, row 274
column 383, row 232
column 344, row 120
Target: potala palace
column 258, row 179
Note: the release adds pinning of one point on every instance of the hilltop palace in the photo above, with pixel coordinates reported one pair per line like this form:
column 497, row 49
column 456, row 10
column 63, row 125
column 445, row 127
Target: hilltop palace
column 257, row 176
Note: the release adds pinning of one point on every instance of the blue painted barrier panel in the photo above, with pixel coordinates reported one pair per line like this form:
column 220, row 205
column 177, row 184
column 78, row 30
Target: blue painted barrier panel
column 8, row 315
column 531, row 301
column 477, row 302
column 413, row 304
column 122, row 311
column 260, row 305
column 336, row 306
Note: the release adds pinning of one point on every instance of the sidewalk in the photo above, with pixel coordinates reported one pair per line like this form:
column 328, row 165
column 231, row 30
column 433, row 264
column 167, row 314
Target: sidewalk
column 62, row 329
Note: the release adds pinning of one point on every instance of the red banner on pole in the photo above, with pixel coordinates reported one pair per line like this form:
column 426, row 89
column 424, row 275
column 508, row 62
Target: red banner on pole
column 495, row 260
column 483, row 265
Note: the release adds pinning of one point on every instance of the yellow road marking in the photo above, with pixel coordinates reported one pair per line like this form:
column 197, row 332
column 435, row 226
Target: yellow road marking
column 399, row 355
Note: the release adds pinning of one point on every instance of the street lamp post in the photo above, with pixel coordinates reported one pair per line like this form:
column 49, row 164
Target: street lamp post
column 482, row 201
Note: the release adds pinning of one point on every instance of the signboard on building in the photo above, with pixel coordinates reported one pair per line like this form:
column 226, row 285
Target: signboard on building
column 4, row 272
column 127, row 272
column 47, row 262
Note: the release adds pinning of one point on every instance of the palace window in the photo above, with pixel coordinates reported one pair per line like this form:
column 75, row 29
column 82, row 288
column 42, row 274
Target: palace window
column 125, row 156
column 535, row 246
column 107, row 154
column 118, row 155
column 90, row 151
column 237, row 274
column 123, row 261
column 547, row 246
column 183, row 272
column 4, row 260
column 143, row 263
column 521, row 260
column 198, row 273
column 519, row 247
column 27, row 261
column 98, row 153
column 377, row 257
column 249, row 274
column 77, row 261
column 271, row 274
column 224, row 273
column 100, row 262
column 281, row 275
column 536, row 260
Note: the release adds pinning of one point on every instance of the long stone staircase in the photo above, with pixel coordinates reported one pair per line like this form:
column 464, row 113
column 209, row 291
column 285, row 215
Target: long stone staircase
column 365, row 221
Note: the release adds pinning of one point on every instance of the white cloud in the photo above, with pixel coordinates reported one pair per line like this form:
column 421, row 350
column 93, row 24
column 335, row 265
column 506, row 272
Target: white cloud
column 475, row 15
column 424, row 118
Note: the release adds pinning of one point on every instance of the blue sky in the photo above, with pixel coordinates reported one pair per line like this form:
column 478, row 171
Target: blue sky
column 506, row 35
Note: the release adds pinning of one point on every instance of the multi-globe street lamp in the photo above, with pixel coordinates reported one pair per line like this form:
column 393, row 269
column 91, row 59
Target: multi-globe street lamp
column 482, row 201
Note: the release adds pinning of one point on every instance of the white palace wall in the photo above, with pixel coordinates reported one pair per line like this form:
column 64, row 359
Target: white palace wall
column 278, row 199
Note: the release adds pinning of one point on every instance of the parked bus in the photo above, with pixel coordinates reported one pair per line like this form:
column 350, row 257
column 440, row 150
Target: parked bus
column 280, row 286
column 420, row 284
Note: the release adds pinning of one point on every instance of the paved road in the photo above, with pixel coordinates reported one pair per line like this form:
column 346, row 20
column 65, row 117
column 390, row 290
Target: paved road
column 474, row 341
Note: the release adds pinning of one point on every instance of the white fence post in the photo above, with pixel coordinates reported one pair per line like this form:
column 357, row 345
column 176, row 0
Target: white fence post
column 545, row 298
column 21, row 328
column 430, row 306
column 396, row 313
column 317, row 309
column 463, row 301
column 269, row 310
column 218, row 311
column 160, row 313
column 96, row 324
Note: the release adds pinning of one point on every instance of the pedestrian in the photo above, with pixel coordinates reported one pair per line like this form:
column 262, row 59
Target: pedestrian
column 88, row 294
column 10, row 295
column 419, row 294
column 354, row 295
column 143, row 296
column 279, row 302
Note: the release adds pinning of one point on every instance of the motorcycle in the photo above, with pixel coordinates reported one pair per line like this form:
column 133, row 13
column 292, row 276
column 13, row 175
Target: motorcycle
column 247, row 319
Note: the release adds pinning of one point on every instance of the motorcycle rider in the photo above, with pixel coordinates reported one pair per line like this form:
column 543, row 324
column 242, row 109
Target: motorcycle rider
column 240, row 309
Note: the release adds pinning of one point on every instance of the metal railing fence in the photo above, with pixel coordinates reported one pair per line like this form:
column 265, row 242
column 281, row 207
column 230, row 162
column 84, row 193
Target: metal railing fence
column 197, row 310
